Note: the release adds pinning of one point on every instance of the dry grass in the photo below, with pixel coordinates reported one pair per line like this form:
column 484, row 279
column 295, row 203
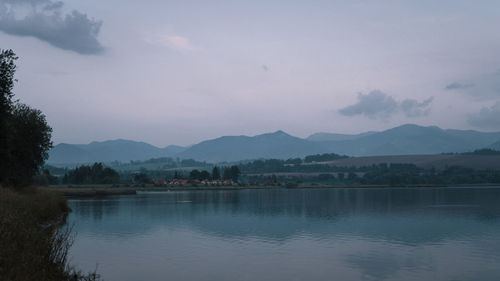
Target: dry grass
column 34, row 240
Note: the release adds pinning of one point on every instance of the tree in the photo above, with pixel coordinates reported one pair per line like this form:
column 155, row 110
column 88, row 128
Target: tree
column 235, row 171
column 45, row 178
column 7, row 70
column 215, row 173
column 232, row 173
column 204, row 175
column 142, row 178
column 98, row 174
column 194, row 174
column 28, row 144
column 24, row 132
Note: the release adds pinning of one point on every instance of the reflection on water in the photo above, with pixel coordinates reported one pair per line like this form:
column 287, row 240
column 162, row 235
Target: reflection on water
column 292, row 234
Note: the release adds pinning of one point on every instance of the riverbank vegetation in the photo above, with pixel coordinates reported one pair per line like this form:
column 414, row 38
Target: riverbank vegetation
column 34, row 238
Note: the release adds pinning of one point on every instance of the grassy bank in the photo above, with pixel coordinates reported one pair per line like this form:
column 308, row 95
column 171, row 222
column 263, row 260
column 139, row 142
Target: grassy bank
column 34, row 240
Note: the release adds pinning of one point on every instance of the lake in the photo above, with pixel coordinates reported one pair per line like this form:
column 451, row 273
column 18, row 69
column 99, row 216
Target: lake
column 291, row 234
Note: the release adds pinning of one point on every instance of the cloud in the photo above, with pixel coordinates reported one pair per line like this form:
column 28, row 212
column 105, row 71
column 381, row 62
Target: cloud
column 180, row 43
column 458, row 86
column 174, row 42
column 377, row 104
column 481, row 87
column 45, row 20
column 413, row 108
column 486, row 118
column 373, row 105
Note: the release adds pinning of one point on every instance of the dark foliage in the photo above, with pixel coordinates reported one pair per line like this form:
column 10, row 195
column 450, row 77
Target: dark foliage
column 95, row 174
column 142, row 177
column 232, row 173
column 199, row 175
column 323, row 157
column 216, row 173
column 24, row 133
column 484, row 151
column 45, row 179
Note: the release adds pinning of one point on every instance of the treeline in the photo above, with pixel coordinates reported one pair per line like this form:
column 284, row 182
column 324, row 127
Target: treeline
column 323, row 157
column 229, row 173
column 218, row 173
column 413, row 175
column 484, row 151
column 384, row 174
column 99, row 174
column 294, row 165
column 160, row 163
column 95, row 174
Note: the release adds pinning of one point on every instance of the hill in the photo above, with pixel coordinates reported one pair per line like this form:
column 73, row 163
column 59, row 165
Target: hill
column 403, row 140
column 107, row 151
column 278, row 145
column 412, row 139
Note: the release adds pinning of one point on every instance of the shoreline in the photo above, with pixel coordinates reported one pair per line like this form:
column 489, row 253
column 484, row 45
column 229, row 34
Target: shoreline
column 101, row 191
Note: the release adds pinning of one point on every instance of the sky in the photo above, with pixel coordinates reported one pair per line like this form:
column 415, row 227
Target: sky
column 179, row 72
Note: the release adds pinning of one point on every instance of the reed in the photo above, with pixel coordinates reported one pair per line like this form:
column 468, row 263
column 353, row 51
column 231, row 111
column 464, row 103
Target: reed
column 34, row 237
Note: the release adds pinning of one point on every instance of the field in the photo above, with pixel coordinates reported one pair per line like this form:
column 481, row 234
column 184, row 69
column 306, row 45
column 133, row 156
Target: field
column 438, row 161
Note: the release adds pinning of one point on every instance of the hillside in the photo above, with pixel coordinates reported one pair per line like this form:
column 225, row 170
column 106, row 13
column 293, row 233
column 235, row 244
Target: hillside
column 107, row 151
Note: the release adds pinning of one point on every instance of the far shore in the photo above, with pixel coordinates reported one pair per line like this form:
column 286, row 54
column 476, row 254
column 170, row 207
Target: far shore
column 108, row 190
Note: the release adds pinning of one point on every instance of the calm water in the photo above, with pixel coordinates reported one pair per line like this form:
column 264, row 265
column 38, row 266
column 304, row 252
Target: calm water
column 292, row 234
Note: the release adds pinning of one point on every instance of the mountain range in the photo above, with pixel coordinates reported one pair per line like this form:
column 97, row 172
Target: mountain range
column 403, row 140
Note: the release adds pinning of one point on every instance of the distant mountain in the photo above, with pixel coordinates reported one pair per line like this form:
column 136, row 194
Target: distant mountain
column 233, row 148
column 107, row 151
column 68, row 153
column 413, row 139
column 403, row 140
column 336, row 137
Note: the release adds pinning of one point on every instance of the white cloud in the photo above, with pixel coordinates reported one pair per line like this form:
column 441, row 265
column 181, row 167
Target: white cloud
column 174, row 42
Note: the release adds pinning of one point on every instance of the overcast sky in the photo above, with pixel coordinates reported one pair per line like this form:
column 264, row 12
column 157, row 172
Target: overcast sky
column 178, row 72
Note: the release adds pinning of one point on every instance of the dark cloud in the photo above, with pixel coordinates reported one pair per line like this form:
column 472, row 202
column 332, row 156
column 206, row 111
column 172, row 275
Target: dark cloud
column 377, row 104
column 487, row 118
column 373, row 105
column 46, row 21
column 413, row 108
column 481, row 87
column 458, row 86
